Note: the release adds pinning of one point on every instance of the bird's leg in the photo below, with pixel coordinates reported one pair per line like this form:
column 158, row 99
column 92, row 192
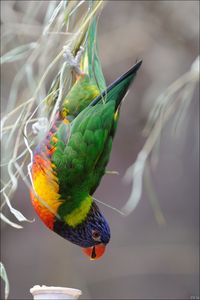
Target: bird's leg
column 74, row 61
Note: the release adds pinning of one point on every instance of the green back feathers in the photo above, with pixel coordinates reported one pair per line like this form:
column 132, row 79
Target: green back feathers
column 80, row 96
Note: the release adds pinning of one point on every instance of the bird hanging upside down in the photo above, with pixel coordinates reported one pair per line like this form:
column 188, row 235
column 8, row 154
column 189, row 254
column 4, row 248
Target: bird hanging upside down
column 68, row 165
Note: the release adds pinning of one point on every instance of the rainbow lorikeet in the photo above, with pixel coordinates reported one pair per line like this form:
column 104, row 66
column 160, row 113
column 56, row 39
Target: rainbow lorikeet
column 68, row 166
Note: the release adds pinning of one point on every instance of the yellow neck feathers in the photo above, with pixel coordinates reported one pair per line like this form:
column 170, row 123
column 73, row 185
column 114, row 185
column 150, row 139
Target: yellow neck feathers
column 80, row 213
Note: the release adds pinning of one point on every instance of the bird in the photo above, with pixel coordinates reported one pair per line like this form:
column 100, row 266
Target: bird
column 69, row 164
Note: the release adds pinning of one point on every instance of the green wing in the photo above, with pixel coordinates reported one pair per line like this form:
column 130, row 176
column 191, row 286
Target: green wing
column 81, row 163
column 78, row 159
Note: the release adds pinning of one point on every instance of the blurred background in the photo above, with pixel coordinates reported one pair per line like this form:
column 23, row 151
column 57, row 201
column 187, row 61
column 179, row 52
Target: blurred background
column 144, row 260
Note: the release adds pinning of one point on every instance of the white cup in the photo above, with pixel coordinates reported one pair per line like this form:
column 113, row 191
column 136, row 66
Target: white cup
column 53, row 292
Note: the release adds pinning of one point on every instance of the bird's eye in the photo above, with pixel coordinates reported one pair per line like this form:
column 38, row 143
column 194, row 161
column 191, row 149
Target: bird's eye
column 96, row 235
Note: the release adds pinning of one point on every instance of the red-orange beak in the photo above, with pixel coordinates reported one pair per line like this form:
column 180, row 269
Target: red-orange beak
column 95, row 252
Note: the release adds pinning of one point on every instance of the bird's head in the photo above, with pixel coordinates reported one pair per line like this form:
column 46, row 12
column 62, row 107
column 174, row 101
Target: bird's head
column 93, row 234
column 97, row 233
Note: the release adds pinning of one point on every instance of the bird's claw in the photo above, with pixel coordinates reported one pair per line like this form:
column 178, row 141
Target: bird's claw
column 41, row 125
column 74, row 61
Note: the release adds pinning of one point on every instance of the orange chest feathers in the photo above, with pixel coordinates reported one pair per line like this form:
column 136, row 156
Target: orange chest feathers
column 45, row 197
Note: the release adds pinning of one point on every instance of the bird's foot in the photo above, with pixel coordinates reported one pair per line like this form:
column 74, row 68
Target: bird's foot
column 74, row 61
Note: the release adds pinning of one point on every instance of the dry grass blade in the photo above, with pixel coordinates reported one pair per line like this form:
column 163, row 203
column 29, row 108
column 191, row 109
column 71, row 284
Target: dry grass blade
column 5, row 279
column 177, row 95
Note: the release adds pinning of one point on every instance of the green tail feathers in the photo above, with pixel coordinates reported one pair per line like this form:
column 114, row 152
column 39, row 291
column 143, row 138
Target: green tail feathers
column 91, row 61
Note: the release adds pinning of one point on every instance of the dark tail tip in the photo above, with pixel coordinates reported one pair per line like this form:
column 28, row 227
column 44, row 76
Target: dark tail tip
column 137, row 65
column 130, row 73
column 132, row 70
